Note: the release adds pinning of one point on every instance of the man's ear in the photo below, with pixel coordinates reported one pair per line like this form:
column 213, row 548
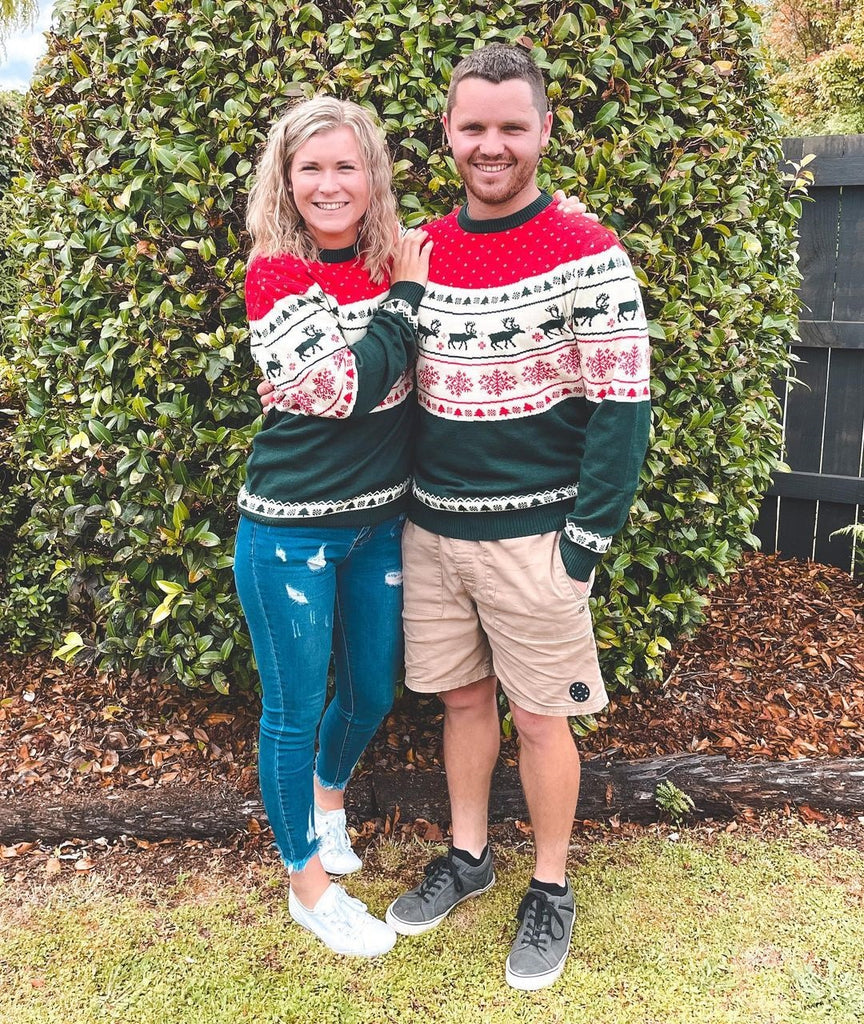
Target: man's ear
column 547, row 129
column 446, row 126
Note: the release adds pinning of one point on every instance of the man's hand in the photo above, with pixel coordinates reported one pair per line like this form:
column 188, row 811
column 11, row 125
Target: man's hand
column 267, row 394
column 570, row 204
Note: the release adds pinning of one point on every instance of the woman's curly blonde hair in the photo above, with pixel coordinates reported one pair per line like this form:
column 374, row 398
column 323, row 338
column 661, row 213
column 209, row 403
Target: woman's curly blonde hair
column 272, row 218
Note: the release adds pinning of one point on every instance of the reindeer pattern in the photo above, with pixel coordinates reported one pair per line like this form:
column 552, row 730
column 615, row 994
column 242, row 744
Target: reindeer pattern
column 303, row 347
column 501, row 351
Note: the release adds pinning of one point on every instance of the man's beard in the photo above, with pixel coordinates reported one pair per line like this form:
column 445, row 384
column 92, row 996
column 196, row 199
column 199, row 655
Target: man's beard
column 518, row 178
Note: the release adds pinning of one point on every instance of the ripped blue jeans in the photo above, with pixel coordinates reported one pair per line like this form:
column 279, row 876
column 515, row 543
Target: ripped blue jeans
column 307, row 592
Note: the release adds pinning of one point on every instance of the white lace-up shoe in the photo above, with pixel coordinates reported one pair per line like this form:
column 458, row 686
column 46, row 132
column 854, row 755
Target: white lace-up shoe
column 334, row 843
column 343, row 923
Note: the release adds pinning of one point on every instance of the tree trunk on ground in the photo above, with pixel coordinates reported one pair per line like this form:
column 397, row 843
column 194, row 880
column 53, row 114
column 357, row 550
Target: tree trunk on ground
column 719, row 789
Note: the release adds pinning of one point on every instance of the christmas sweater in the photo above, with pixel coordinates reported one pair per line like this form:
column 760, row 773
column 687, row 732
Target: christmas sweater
column 336, row 447
column 532, row 382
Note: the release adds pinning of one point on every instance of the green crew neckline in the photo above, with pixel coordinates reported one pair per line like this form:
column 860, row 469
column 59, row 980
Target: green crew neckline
column 515, row 220
column 350, row 252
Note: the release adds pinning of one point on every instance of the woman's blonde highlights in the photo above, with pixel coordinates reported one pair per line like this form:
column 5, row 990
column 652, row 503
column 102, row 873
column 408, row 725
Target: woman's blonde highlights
column 272, row 218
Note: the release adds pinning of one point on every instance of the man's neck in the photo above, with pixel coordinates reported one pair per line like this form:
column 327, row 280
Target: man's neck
column 478, row 210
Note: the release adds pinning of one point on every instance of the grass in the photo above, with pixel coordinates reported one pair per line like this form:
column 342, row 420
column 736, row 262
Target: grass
column 733, row 930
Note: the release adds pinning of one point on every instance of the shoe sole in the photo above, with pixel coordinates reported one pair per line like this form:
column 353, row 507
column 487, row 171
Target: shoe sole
column 534, row 982
column 341, row 952
column 417, row 928
column 337, row 873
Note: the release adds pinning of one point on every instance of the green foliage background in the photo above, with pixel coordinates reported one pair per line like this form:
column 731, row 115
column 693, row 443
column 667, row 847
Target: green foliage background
column 816, row 65
column 143, row 122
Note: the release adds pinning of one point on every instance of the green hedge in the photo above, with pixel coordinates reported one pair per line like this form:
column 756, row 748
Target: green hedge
column 11, row 398
column 143, row 122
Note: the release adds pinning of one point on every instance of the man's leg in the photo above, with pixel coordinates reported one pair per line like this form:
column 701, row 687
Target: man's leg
column 549, row 769
column 471, row 744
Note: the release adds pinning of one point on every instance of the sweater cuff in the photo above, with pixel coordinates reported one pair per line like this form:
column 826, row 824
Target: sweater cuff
column 411, row 292
column 578, row 561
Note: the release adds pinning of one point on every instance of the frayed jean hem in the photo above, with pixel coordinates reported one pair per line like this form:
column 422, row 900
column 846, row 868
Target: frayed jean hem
column 298, row 865
column 334, row 786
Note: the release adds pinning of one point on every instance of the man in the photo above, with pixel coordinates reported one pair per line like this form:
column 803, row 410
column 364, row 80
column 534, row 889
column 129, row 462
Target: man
column 532, row 382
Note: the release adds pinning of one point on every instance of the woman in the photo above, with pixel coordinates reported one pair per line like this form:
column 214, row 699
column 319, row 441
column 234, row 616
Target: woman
column 317, row 563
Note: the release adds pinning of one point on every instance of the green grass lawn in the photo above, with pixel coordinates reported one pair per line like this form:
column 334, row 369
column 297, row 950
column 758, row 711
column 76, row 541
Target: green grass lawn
column 728, row 930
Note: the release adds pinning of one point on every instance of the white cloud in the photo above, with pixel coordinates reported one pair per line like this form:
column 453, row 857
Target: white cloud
column 24, row 49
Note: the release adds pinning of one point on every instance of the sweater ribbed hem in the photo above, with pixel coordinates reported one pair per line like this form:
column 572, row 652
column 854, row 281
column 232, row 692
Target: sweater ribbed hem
column 578, row 561
column 493, row 525
column 356, row 517
column 411, row 291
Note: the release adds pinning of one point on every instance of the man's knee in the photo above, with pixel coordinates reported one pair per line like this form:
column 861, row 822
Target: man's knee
column 534, row 728
column 471, row 697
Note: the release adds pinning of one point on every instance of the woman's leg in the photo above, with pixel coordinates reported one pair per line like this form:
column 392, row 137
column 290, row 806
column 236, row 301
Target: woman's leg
column 288, row 598
column 368, row 648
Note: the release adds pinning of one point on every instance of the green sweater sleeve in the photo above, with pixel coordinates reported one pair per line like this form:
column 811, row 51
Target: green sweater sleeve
column 302, row 351
column 615, row 368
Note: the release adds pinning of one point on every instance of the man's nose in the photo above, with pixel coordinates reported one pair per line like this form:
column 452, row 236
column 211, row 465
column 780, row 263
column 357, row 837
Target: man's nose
column 492, row 144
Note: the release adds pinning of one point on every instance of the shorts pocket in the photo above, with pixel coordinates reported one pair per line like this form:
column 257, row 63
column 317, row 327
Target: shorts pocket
column 423, row 574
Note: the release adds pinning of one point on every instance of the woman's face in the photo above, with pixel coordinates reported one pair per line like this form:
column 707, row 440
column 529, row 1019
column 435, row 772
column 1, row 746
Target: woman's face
column 330, row 187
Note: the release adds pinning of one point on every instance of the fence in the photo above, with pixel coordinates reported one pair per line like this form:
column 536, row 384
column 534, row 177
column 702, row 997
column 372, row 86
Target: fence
column 823, row 415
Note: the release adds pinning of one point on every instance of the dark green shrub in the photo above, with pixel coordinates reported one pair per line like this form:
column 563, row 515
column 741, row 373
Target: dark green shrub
column 11, row 392
column 143, row 123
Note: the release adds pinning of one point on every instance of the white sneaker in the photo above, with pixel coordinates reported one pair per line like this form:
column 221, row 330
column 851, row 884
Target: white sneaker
column 334, row 843
column 342, row 922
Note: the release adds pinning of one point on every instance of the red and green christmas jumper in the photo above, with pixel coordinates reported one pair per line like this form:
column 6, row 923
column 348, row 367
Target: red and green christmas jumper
column 339, row 349
column 532, row 382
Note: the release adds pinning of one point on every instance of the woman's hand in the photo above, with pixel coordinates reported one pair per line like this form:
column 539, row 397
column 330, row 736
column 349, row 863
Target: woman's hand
column 411, row 259
column 570, row 204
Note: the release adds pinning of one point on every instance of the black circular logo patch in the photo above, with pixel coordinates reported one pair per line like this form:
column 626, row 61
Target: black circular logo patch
column 579, row 692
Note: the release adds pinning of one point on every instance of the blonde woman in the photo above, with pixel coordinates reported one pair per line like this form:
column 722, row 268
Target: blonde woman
column 332, row 293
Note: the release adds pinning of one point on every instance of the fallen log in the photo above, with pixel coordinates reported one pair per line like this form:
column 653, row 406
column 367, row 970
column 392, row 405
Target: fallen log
column 719, row 788
column 188, row 812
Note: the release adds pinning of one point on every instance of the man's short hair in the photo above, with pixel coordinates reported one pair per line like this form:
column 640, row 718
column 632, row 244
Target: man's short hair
column 497, row 63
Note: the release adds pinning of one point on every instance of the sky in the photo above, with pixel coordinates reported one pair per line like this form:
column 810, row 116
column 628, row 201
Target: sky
column 23, row 50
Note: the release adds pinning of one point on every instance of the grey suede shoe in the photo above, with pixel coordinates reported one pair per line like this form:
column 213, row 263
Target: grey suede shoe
column 448, row 882
column 539, row 951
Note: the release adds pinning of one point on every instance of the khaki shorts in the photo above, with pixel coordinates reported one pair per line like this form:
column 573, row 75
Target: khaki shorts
column 501, row 607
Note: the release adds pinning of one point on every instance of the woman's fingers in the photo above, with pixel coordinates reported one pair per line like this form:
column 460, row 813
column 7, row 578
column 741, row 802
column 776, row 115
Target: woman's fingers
column 411, row 262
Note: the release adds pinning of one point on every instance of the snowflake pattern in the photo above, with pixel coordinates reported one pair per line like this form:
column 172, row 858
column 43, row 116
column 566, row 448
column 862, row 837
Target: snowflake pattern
column 571, row 362
column 458, row 384
column 497, row 382
column 324, row 382
column 428, row 377
column 340, row 357
column 301, row 402
column 539, row 372
column 630, row 361
column 601, row 364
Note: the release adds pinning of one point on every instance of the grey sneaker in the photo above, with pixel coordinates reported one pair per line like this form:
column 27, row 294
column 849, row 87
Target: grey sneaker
column 539, row 951
column 448, row 882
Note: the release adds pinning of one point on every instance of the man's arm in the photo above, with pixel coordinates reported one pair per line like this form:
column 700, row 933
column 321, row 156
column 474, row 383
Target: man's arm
column 615, row 360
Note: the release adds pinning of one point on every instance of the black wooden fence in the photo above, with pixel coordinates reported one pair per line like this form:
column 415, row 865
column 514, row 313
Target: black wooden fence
column 823, row 415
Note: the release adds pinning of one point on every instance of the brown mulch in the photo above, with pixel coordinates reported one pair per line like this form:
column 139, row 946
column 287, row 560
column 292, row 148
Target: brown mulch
column 777, row 672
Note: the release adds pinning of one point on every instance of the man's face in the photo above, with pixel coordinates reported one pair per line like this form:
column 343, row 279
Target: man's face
column 496, row 134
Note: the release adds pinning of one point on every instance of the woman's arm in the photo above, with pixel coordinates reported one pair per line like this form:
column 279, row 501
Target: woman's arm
column 298, row 343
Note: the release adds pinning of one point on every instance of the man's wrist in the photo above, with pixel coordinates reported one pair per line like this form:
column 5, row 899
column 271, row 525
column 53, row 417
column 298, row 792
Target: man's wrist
column 578, row 561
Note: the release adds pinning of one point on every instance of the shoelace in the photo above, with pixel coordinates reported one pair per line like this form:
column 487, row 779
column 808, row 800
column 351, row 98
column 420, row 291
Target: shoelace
column 438, row 872
column 347, row 909
column 541, row 916
column 336, row 839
